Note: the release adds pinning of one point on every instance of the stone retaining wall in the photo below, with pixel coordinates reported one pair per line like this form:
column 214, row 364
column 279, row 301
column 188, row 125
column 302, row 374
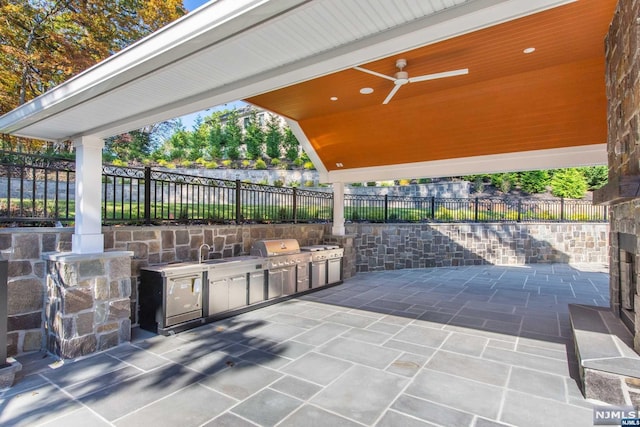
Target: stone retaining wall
column 368, row 247
column 398, row 246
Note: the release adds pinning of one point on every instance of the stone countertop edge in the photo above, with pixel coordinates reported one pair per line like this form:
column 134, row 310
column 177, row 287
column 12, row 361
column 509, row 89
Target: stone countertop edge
column 70, row 256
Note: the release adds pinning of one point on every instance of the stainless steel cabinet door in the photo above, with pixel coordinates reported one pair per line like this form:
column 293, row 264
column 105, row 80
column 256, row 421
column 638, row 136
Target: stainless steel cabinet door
column 184, row 294
column 237, row 291
column 318, row 274
column 256, row 287
column 289, row 280
column 334, row 270
column 275, row 283
column 218, row 296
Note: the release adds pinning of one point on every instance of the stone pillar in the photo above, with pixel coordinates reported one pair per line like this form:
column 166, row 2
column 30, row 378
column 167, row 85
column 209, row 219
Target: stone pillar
column 88, row 236
column 87, row 306
column 338, row 209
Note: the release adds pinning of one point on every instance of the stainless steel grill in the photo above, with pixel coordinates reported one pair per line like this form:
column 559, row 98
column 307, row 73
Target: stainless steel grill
column 288, row 268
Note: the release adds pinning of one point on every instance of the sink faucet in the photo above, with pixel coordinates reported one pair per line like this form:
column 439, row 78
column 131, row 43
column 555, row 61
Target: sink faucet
column 200, row 257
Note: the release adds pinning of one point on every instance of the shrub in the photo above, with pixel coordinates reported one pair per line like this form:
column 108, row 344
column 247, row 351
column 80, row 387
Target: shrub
column 424, row 181
column 356, row 184
column 309, row 183
column 275, row 162
column 371, row 184
column 568, row 183
column 404, row 182
column 294, row 184
column 444, row 214
column 596, row 176
column 308, row 165
column 534, row 181
column 226, row 163
column 185, row 163
column 246, row 163
column 120, row 163
column 278, row 183
column 298, row 162
column 210, row 165
column 260, row 164
column 264, row 181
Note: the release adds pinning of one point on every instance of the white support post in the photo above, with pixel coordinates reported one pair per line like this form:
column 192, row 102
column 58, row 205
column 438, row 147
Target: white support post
column 338, row 209
column 88, row 237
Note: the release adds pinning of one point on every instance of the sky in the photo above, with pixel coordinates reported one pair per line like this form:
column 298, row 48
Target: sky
column 190, row 119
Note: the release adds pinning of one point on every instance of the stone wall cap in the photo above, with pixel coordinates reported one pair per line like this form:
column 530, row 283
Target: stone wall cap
column 71, row 257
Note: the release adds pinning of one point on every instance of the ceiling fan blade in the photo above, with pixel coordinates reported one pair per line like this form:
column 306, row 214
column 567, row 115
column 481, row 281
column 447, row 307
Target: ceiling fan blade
column 375, row 73
column 439, row 75
column 393, row 92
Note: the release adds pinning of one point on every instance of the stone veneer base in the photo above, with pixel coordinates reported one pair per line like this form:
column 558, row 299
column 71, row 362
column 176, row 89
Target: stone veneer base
column 87, row 306
column 8, row 373
column 609, row 367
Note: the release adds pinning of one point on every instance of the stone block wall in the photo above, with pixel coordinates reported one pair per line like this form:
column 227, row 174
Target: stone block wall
column 26, row 283
column 397, row 246
column 87, row 307
column 623, row 142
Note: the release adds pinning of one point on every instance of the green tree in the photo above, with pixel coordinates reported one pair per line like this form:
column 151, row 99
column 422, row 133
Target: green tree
column 596, row 176
column 130, row 146
column 273, row 137
column 291, row 145
column 568, row 183
column 254, row 136
column 534, row 181
column 198, row 140
column 232, row 136
column 215, row 138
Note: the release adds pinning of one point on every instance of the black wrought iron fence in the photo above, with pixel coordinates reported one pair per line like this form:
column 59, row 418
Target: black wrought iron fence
column 375, row 208
column 38, row 189
column 152, row 196
column 35, row 188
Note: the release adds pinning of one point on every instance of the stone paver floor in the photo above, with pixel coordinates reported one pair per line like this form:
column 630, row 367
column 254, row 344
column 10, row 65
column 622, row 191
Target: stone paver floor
column 467, row 346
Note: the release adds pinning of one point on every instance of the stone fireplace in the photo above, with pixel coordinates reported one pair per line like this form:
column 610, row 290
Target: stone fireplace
column 622, row 193
column 627, row 279
column 608, row 339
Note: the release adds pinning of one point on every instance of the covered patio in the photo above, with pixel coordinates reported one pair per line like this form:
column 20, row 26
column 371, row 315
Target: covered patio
column 471, row 346
column 467, row 346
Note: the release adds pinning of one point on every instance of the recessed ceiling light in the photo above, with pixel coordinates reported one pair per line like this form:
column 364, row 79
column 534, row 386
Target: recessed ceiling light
column 529, row 50
column 366, row 90
column 334, row 98
column 339, row 165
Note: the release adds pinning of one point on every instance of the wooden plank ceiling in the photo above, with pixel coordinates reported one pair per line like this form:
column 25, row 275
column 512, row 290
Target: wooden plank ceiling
column 510, row 101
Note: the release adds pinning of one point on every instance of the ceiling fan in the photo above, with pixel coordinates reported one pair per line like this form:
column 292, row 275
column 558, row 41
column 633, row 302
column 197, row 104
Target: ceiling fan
column 401, row 78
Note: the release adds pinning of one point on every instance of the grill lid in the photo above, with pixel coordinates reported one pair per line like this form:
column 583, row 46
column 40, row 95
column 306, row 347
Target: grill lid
column 269, row 248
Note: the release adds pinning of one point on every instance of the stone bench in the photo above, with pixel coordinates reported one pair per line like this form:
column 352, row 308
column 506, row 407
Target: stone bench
column 609, row 366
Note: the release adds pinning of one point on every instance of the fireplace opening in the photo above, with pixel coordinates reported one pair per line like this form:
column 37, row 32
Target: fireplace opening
column 627, row 266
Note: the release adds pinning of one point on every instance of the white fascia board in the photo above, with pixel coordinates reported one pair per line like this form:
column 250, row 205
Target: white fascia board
column 587, row 155
column 211, row 23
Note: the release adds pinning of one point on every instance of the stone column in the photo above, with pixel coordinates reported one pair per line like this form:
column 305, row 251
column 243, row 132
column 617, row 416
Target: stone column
column 88, row 236
column 87, row 307
column 338, row 209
